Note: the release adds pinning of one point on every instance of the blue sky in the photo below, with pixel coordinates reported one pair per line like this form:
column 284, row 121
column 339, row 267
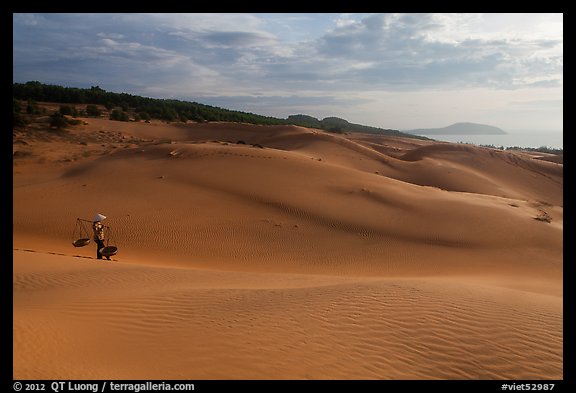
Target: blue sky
column 397, row 71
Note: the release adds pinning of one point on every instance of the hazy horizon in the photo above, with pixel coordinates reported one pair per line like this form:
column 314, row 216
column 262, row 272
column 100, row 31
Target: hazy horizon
column 398, row 71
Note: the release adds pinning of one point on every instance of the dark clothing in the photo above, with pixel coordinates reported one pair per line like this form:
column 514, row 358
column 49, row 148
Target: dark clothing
column 99, row 246
column 99, row 237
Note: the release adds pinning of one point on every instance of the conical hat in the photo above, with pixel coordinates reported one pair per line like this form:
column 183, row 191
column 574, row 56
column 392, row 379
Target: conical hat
column 99, row 217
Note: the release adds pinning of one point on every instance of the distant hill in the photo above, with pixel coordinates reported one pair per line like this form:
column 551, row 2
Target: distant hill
column 339, row 126
column 459, row 129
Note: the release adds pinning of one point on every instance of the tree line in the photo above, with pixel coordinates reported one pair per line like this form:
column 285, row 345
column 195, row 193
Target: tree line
column 141, row 107
column 125, row 107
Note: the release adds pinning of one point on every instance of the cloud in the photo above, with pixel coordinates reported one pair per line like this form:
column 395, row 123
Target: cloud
column 381, row 51
column 410, row 51
column 28, row 19
column 228, row 39
column 114, row 36
column 267, row 63
column 535, row 103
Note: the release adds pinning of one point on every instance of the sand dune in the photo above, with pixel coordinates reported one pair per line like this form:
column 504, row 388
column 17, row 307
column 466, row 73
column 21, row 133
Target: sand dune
column 120, row 320
column 303, row 254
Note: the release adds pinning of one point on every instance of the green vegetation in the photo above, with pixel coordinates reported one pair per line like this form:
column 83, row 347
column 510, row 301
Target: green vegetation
column 32, row 107
column 119, row 114
column 144, row 116
column 57, row 120
column 122, row 106
column 93, row 111
column 16, row 107
column 18, row 119
column 167, row 110
column 304, row 121
column 338, row 125
column 68, row 110
column 541, row 149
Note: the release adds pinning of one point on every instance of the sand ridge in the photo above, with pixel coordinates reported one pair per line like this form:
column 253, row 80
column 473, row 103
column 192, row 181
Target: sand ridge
column 305, row 254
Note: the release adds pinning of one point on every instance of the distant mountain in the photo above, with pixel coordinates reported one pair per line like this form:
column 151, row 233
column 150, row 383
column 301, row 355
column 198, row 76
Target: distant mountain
column 340, row 126
column 459, row 129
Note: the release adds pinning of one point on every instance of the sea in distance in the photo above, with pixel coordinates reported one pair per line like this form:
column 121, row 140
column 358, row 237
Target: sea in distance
column 533, row 139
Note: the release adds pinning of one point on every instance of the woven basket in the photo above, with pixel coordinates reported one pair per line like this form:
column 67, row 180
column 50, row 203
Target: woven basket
column 81, row 242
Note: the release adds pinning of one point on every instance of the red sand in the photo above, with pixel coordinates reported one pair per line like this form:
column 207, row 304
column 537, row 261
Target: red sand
column 317, row 256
